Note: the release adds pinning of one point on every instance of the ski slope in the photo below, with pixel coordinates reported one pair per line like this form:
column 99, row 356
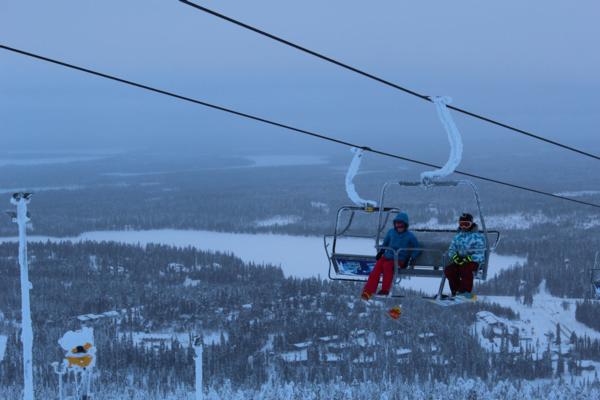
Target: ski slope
column 539, row 321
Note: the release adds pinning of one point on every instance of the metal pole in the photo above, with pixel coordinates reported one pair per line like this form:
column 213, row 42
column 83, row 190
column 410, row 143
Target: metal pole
column 198, row 362
column 86, row 381
column 59, row 371
column 21, row 218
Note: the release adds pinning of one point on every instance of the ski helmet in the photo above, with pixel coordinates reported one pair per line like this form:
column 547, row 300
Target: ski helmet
column 466, row 217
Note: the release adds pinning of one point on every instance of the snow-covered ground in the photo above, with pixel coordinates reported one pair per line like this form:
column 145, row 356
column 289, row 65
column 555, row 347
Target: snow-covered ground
column 589, row 224
column 287, row 160
column 579, row 193
column 517, row 221
column 513, row 221
column 133, row 174
column 256, row 162
column 538, row 322
column 26, row 161
column 41, row 188
column 278, row 220
column 319, row 205
column 300, row 256
column 536, row 327
column 156, row 339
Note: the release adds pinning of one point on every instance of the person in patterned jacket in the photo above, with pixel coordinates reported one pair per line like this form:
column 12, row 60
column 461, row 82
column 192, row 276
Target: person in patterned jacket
column 467, row 252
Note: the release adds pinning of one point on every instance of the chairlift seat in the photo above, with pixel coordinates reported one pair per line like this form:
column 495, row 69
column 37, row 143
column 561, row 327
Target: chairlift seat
column 358, row 267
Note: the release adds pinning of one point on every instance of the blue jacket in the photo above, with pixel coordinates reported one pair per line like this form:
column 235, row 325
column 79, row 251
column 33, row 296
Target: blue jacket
column 403, row 240
column 469, row 243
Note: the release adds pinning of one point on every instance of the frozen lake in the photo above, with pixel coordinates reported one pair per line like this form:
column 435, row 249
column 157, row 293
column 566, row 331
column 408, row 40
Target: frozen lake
column 35, row 161
column 300, row 256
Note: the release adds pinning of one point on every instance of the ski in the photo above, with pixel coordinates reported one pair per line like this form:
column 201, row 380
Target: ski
column 448, row 301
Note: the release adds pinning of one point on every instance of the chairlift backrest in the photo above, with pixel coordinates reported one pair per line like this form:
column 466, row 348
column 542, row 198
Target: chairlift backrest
column 447, row 184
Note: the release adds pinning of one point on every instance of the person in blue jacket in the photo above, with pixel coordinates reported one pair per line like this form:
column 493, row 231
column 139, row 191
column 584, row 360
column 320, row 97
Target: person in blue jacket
column 400, row 239
column 467, row 252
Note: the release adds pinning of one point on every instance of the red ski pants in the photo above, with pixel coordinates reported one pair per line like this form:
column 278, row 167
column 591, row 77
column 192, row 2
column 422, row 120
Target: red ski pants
column 385, row 267
column 460, row 277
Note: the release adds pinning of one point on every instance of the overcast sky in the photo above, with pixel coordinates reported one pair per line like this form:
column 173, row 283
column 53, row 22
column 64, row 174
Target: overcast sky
column 534, row 64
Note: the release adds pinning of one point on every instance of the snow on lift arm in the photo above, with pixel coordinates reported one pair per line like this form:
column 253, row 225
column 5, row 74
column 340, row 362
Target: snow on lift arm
column 350, row 188
column 456, row 145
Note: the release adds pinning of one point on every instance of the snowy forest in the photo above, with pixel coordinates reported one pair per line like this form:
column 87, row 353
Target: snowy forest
column 258, row 328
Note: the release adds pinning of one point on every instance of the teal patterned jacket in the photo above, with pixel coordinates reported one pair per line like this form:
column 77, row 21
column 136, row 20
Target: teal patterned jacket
column 469, row 243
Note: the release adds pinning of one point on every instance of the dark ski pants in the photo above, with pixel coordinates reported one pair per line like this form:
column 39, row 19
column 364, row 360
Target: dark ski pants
column 386, row 267
column 460, row 277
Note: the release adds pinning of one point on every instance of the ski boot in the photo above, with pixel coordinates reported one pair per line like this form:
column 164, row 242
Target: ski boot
column 366, row 296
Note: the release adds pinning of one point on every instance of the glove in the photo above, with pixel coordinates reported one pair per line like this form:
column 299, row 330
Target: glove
column 458, row 260
column 379, row 254
column 468, row 259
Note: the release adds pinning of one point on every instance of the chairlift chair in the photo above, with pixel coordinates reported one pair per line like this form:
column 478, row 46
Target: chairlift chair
column 350, row 266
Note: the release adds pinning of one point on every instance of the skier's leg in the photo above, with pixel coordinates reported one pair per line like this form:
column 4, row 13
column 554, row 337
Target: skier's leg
column 466, row 273
column 388, row 275
column 451, row 272
column 373, row 281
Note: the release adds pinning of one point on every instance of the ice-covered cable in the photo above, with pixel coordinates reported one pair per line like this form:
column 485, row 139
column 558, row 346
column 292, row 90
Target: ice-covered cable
column 350, row 188
column 456, row 145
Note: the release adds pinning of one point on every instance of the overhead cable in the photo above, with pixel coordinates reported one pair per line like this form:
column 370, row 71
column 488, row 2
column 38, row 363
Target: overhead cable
column 387, row 82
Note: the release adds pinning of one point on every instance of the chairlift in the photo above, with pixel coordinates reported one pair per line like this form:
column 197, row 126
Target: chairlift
column 356, row 266
column 595, row 277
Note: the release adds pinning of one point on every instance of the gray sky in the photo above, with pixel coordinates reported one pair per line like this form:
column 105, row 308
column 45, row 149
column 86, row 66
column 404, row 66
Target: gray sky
column 533, row 64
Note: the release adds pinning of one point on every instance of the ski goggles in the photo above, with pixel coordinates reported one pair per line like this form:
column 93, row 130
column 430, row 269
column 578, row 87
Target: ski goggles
column 465, row 224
